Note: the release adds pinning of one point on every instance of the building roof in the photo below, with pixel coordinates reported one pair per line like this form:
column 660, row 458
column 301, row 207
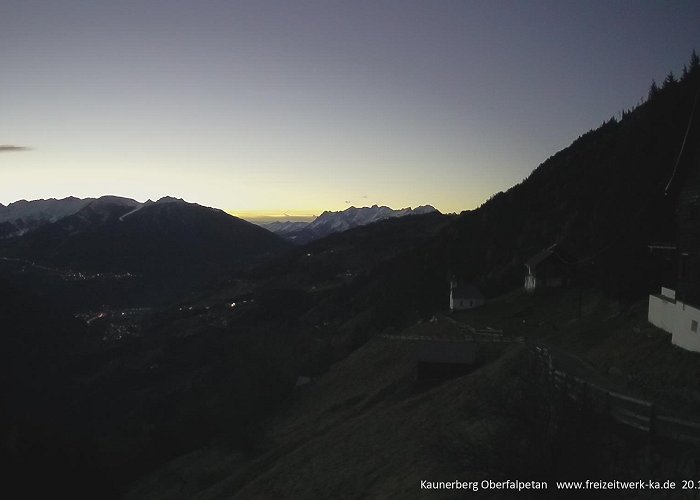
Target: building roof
column 446, row 351
column 467, row 291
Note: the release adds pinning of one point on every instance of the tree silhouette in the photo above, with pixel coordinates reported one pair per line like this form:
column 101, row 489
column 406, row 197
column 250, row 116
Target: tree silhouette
column 653, row 90
column 694, row 62
column 669, row 80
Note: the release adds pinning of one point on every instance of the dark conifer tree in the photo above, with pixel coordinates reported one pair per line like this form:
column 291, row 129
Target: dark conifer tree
column 653, row 90
column 694, row 62
column 669, row 80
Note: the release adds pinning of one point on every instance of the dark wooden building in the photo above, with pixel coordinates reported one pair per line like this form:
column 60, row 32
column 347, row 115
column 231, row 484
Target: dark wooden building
column 464, row 296
column 546, row 269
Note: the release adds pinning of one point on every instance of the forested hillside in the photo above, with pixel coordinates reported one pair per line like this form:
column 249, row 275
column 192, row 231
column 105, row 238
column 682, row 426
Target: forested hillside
column 603, row 199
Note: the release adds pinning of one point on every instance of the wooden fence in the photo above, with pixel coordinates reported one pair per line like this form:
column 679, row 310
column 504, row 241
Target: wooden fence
column 639, row 414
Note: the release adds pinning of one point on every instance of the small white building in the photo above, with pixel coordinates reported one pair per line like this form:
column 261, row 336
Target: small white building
column 677, row 318
column 677, row 310
column 465, row 296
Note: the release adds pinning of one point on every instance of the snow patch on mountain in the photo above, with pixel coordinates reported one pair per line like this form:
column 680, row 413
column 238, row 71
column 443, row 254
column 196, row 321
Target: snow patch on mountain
column 332, row 222
column 42, row 210
column 22, row 216
column 352, row 217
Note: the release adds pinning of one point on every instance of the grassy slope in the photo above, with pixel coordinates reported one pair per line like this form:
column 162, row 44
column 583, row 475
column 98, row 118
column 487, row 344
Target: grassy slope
column 367, row 429
column 348, row 434
column 615, row 340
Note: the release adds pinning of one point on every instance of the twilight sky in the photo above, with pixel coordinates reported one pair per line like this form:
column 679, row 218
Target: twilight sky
column 299, row 106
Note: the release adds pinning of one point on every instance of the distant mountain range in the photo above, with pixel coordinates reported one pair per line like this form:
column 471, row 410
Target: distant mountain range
column 23, row 216
column 334, row 222
column 114, row 234
column 167, row 236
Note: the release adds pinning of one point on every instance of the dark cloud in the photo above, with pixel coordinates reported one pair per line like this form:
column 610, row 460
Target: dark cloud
column 7, row 148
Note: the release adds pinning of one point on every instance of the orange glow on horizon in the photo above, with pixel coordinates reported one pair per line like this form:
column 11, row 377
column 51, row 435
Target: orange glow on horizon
column 274, row 215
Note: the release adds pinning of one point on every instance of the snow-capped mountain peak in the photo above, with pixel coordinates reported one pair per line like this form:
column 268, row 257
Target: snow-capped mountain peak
column 332, row 222
column 23, row 216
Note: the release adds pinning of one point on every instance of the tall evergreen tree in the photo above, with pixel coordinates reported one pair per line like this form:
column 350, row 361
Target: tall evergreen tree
column 694, row 62
column 653, row 90
column 669, row 80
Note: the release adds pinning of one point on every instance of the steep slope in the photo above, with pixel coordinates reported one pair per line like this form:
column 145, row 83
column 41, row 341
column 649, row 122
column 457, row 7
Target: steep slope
column 603, row 199
column 370, row 429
